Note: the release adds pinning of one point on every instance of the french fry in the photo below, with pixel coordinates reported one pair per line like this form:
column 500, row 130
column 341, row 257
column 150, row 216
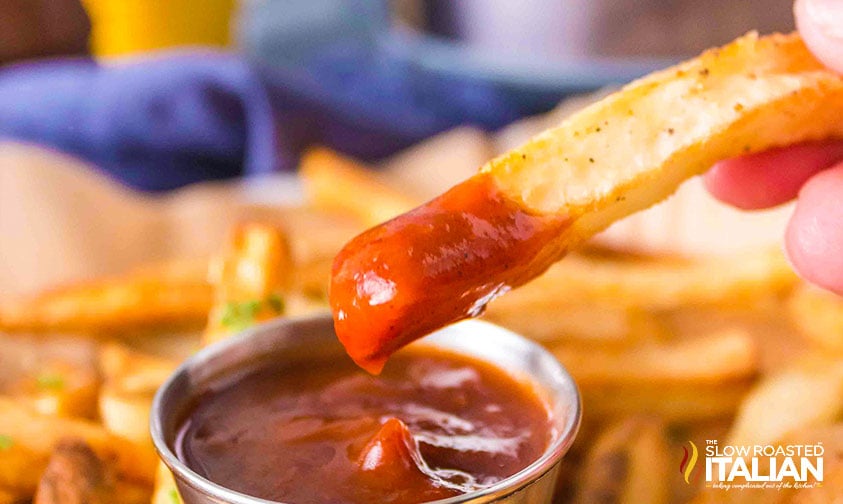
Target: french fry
column 675, row 403
column 9, row 497
column 605, row 162
column 716, row 359
column 808, row 394
column 249, row 278
column 54, row 374
column 29, row 439
column 150, row 298
column 60, row 388
column 130, row 380
column 594, row 323
column 818, row 314
column 165, row 491
column 628, row 463
column 655, row 283
column 20, row 467
column 335, row 182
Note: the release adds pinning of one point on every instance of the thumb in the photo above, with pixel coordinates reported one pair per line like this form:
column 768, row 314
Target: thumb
column 814, row 237
column 820, row 23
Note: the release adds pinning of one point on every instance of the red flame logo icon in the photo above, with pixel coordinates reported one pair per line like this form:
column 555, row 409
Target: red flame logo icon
column 689, row 462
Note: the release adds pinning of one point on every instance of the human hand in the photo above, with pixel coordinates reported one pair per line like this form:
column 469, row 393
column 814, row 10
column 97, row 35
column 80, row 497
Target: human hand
column 811, row 173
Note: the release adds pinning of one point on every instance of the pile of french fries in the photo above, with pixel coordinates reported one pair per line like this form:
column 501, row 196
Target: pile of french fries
column 665, row 349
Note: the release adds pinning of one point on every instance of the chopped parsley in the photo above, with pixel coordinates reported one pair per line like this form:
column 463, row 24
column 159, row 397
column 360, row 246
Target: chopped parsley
column 50, row 381
column 6, row 442
column 240, row 315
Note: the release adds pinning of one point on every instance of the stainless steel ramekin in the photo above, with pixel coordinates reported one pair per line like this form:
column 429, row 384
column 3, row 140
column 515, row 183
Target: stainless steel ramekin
column 294, row 340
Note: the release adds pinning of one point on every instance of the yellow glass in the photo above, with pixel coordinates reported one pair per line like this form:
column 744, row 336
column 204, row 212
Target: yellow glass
column 132, row 26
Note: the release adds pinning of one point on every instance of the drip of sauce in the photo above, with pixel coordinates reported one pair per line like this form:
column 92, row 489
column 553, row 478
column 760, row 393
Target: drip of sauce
column 435, row 265
column 433, row 425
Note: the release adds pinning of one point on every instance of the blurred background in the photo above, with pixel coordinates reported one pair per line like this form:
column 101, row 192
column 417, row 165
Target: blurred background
column 366, row 77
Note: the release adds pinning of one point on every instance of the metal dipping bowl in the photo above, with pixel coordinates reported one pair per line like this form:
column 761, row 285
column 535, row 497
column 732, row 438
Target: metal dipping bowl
column 294, row 340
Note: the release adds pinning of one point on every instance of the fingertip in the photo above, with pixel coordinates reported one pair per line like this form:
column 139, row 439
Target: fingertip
column 820, row 23
column 814, row 236
column 770, row 178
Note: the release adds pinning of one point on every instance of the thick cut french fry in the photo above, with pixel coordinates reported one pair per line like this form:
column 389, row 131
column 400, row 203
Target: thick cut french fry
column 629, row 463
column 29, row 439
column 130, row 380
column 60, row 388
column 680, row 403
column 540, row 201
column 656, row 283
column 715, row 359
column 249, row 278
column 9, row 497
column 818, row 314
column 332, row 181
column 54, row 374
column 592, row 323
column 165, row 491
column 147, row 299
column 808, row 394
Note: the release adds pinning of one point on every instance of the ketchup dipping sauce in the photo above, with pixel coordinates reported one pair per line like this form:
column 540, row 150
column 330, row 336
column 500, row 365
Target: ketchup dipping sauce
column 439, row 422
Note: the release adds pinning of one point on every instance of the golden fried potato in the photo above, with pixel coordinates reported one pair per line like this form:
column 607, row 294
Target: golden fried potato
column 580, row 323
column 673, row 402
column 807, row 394
column 149, row 298
column 818, row 314
column 30, row 438
column 60, row 388
column 165, row 491
column 249, row 278
column 716, row 359
column 332, row 181
column 54, row 374
column 9, row 497
column 654, row 282
column 130, row 380
column 630, row 463
column 634, row 147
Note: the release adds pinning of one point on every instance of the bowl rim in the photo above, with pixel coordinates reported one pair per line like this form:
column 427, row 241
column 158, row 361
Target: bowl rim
column 552, row 455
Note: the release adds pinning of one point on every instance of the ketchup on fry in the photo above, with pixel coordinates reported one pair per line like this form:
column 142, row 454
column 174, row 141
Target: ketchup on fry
column 433, row 425
column 435, row 265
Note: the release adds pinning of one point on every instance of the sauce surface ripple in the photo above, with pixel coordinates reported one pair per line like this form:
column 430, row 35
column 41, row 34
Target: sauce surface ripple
column 432, row 425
